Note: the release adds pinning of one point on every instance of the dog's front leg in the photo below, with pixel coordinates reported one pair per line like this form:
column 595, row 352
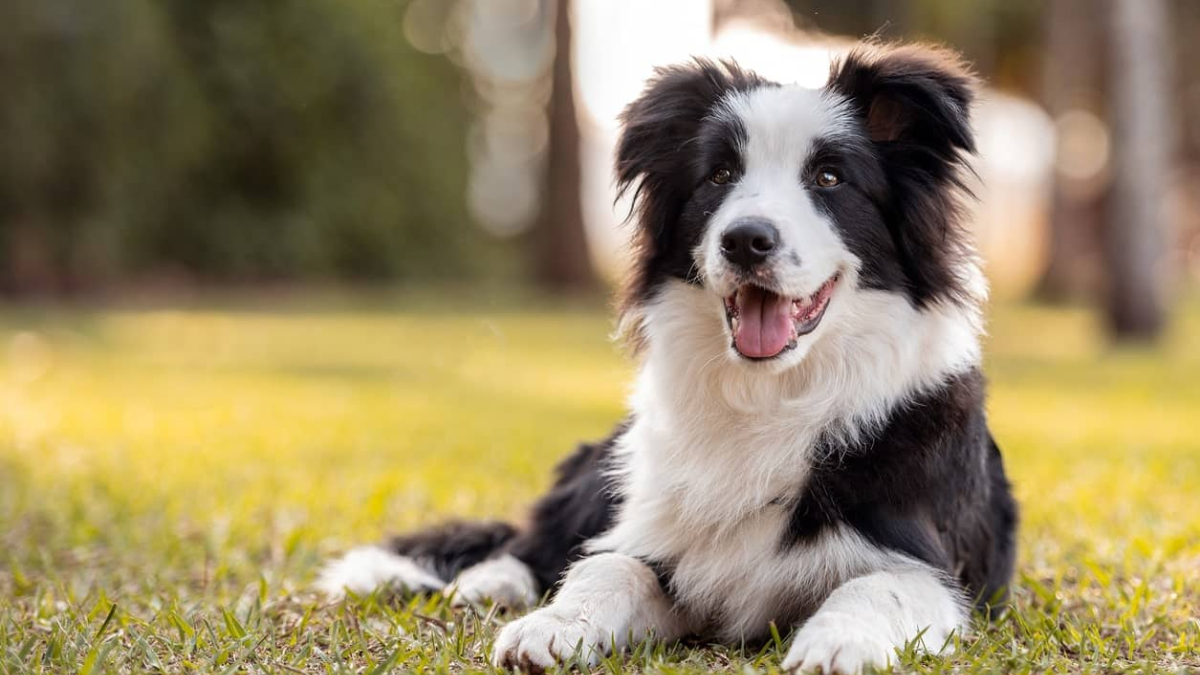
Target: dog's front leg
column 605, row 601
column 866, row 619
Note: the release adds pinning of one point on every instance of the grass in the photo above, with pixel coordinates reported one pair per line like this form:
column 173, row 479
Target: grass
column 171, row 480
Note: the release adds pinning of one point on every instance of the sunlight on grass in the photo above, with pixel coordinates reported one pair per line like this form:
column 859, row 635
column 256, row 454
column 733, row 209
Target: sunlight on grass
column 194, row 467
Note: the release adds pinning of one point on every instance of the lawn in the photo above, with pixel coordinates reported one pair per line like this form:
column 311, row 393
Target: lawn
column 170, row 481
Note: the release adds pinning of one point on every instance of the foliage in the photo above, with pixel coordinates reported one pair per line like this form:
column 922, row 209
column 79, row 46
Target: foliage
column 170, row 481
column 226, row 139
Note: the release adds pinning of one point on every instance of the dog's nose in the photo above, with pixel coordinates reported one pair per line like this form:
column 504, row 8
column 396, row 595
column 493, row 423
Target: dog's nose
column 748, row 243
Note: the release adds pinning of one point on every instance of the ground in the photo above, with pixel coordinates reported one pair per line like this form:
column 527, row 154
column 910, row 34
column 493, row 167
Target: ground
column 170, row 481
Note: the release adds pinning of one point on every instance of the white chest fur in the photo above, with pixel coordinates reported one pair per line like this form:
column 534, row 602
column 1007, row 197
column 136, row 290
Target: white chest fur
column 717, row 518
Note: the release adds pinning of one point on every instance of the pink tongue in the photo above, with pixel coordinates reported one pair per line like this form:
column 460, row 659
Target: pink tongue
column 764, row 322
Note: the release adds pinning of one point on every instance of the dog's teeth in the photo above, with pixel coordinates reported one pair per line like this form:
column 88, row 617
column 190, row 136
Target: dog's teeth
column 733, row 324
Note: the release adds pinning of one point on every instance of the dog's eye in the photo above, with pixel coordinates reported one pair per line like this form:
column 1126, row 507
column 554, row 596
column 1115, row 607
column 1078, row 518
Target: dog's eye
column 721, row 176
column 828, row 178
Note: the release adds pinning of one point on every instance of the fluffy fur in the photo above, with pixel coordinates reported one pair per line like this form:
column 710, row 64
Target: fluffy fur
column 840, row 478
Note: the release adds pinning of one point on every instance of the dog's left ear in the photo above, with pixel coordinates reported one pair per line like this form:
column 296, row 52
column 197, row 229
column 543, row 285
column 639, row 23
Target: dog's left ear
column 912, row 96
column 914, row 102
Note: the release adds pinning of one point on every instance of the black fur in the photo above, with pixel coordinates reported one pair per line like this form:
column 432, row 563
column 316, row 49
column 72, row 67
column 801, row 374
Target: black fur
column 453, row 547
column 579, row 506
column 913, row 103
column 658, row 152
column 929, row 483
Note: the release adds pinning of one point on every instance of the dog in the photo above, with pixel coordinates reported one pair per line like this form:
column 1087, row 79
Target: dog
column 806, row 443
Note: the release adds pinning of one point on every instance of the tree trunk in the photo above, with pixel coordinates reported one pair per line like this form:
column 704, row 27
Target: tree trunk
column 1072, row 80
column 1136, row 235
column 560, row 239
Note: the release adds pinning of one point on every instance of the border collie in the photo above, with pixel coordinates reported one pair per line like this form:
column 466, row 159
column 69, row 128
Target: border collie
column 807, row 443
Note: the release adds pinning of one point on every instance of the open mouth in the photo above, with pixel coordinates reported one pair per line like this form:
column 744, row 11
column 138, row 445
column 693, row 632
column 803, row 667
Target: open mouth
column 765, row 324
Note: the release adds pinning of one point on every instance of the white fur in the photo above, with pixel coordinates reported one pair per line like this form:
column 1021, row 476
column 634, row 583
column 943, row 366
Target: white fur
column 606, row 601
column 506, row 581
column 866, row 619
column 781, row 125
column 362, row 570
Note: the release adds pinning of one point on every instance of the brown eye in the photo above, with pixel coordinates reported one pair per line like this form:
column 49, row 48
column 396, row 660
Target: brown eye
column 721, row 176
column 827, row 178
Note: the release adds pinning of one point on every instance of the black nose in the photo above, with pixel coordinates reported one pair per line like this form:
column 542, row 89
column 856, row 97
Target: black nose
column 749, row 242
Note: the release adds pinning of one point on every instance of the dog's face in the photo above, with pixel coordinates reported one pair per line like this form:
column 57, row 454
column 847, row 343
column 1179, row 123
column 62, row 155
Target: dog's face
column 784, row 204
column 769, row 247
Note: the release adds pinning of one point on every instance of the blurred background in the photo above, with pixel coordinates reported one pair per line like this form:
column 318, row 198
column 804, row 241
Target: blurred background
column 161, row 146
column 281, row 277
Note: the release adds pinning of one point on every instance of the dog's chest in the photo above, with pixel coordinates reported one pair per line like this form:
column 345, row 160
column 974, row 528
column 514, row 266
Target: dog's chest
column 714, row 516
column 735, row 578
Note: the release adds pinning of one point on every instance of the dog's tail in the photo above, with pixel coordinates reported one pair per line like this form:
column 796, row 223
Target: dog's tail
column 421, row 562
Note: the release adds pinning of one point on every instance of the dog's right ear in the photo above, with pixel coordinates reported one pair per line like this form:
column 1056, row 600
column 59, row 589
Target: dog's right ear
column 655, row 129
column 653, row 161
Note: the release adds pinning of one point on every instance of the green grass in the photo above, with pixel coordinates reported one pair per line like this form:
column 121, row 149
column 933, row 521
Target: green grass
column 171, row 480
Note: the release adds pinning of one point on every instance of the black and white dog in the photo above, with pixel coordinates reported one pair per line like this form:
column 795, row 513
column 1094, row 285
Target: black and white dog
column 807, row 443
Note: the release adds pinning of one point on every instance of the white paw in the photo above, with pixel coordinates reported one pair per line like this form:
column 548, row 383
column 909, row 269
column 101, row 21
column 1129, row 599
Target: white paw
column 506, row 581
column 834, row 643
column 547, row 637
column 362, row 570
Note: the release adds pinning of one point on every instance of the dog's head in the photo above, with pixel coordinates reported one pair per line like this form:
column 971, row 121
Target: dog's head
column 783, row 204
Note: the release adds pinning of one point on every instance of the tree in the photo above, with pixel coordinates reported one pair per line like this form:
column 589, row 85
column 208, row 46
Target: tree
column 1072, row 81
column 1136, row 235
column 560, row 239
column 228, row 140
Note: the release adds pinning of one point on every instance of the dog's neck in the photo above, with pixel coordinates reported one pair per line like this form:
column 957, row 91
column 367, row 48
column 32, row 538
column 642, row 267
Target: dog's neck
column 877, row 351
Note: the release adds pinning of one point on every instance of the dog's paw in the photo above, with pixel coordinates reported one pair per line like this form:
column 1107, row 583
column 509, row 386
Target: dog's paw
column 505, row 581
column 837, row 644
column 547, row 637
